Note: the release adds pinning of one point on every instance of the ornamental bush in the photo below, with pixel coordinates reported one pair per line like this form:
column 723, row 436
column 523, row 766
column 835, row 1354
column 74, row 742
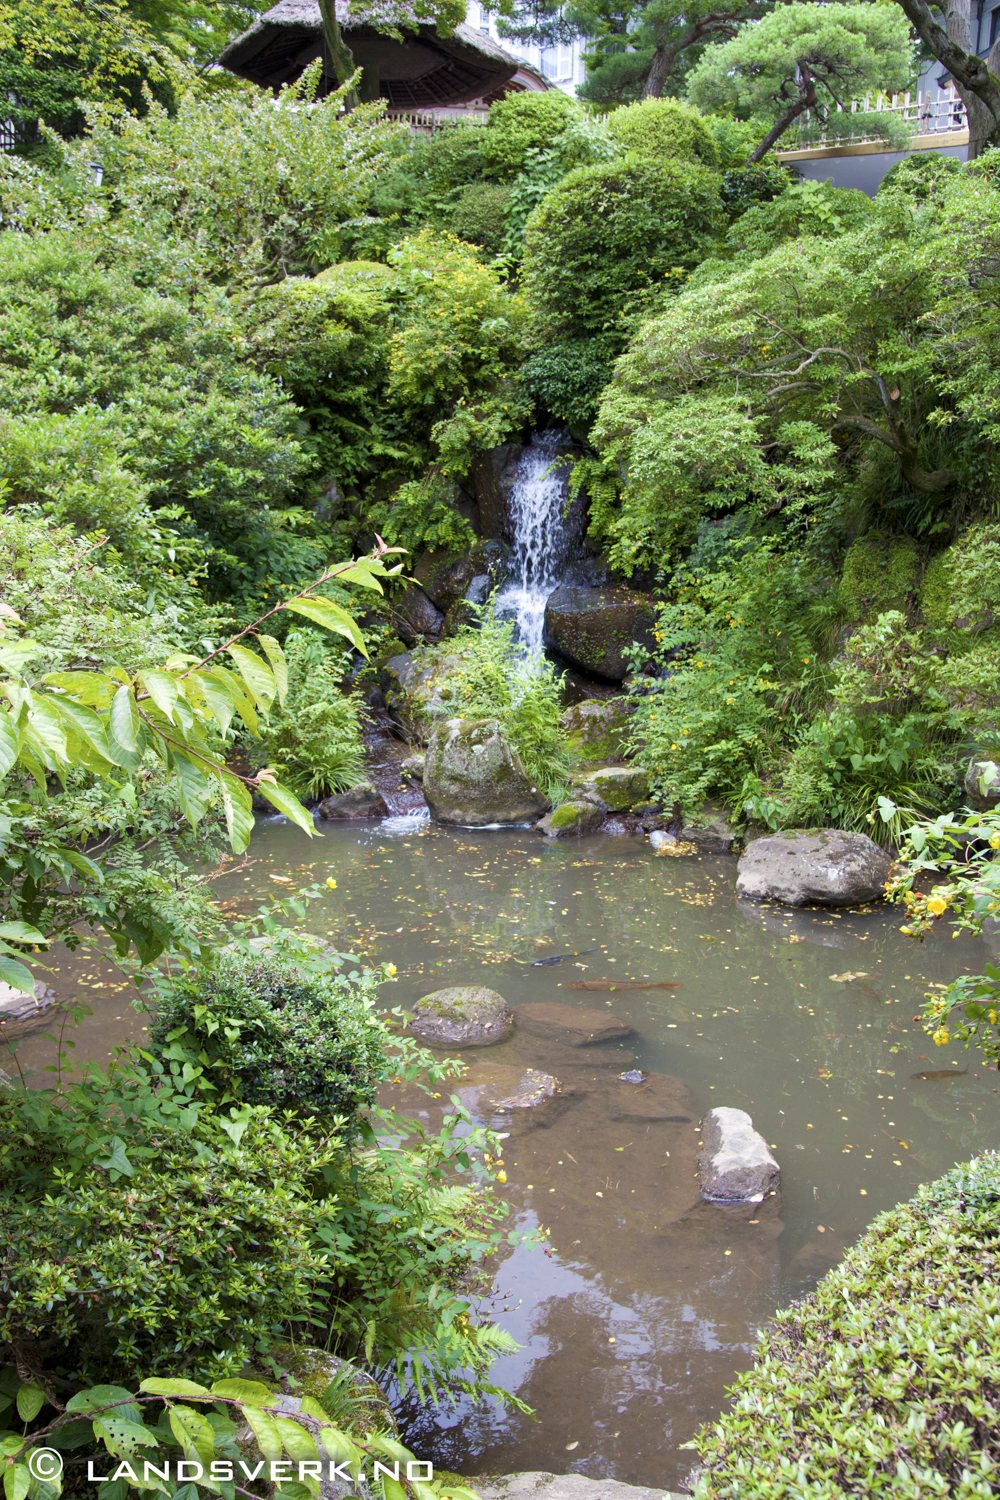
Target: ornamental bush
column 885, row 1380
column 607, row 232
column 263, row 1032
column 664, row 130
column 520, row 124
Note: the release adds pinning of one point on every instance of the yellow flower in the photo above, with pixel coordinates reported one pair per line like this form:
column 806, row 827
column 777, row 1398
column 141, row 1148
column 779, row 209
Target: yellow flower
column 390, row 968
column 331, row 883
column 501, row 1177
column 995, row 841
column 940, row 1036
column 936, row 905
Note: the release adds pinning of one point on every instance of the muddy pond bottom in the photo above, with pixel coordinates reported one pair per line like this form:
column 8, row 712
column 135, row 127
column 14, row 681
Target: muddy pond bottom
column 641, row 1303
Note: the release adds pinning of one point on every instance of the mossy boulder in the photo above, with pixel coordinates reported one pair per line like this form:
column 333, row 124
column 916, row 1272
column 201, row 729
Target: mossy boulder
column 473, row 778
column 880, row 574
column 620, row 788
column 462, row 1016
column 571, row 820
column 415, row 617
column 593, row 628
column 421, row 689
column 357, row 1402
column 596, row 730
column 974, row 555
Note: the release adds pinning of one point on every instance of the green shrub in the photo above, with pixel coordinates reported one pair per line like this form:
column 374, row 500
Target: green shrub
column 313, row 742
column 880, row 573
column 960, row 588
column 146, row 1243
column 566, row 378
column 607, row 232
column 479, row 215
column 919, row 174
column 883, row 1381
column 664, row 130
column 806, row 207
column 520, row 124
column 263, row 1033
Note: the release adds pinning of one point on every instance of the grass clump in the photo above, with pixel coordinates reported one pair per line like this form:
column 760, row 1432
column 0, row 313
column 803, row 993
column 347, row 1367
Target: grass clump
column 886, row 1380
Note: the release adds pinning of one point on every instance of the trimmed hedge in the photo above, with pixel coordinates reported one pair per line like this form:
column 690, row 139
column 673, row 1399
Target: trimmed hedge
column 664, row 130
column 886, row 1380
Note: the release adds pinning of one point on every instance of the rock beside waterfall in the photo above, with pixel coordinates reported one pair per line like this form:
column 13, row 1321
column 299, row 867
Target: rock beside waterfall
column 474, row 779
column 446, row 577
column 596, row 730
column 493, row 474
column 618, row 787
column 415, row 617
column 361, row 801
column 593, row 628
column 572, row 820
column 735, row 1161
column 463, row 1016
column 421, row 691
column 806, row 867
column 412, row 767
column 573, row 1024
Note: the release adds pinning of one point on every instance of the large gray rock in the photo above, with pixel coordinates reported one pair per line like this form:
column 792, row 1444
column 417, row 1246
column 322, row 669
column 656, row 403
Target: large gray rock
column 805, row 867
column 447, row 577
column 493, row 474
column 361, row 801
column 572, row 820
column 596, row 730
column 537, row 1485
column 22, row 1005
column 462, row 1016
column 982, row 785
column 618, row 787
column 474, row 779
column 422, row 689
column 735, row 1162
column 572, row 1024
column 415, row 618
column 592, row 628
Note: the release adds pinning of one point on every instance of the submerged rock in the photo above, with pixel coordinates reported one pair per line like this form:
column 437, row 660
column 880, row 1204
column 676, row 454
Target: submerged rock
column 652, row 1096
column 361, row 801
column 735, row 1161
column 473, row 778
column 618, row 787
column 574, row 1024
column 572, row 820
column 463, row 1016
column 823, row 867
column 711, row 833
column 596, row 730
column 593, row 628
column 501, row 1093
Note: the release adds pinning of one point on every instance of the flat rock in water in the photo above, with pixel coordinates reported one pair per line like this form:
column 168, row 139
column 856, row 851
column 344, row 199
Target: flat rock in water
column 570, row 1023
column 463, row 1016
column 618, row 787
column 24, row 1005
column 522, row 1096
column 821, row 867
column 361, row 801
column 536, row 1485
column 735, row 1162
column 571, row 820
column 656, row 1098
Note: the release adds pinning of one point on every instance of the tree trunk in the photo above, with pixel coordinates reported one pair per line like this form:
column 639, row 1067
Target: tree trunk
column 337, row 56
column 806, row 100
column 976, row 82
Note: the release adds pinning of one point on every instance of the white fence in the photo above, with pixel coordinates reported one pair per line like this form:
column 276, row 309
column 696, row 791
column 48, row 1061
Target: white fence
column 425, row 122
column 924, row 113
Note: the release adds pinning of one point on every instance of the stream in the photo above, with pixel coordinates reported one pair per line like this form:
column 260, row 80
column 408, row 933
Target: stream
column 644, row 1302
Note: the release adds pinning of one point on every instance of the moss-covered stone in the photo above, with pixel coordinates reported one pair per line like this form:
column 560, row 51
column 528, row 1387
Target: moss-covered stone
column 358, row 1403
column 572, row 819
column 462, row 1016
column 596, row 730
column 880, row 574
column 619, row 787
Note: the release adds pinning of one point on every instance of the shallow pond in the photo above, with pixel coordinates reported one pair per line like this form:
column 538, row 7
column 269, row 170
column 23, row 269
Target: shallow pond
column 644, row 1302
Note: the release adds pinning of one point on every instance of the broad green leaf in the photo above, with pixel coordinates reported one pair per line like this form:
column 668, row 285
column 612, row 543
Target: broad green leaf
column 163, row 691
column 16, row 1481
column 20, row 932
column 88, row 728
column 93, row 689
column 331, row 617
column 252, row 1391
column 391, row 1488
column 82, row 864
column 236, row 695
column 358, row 573
column 382, row 1444
column 279, row 666
column 172, row 1387
column 10, row 741
column 238, row 809
column 30, row 1400
column 256, row 674
column 15, row 655
column 297, row 1441
column 195, row 788
column 46, row 728
column 16, row 975
column 286, row 802
column 98, row 1398
column 124, row 720
column 312, row 1408
column 194, row 1433
column 117, row 1161
column 122, row 1437
column 340, row 1448
column 264, row 1430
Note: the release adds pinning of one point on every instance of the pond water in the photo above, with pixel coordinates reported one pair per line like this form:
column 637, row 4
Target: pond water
column 643, row 1302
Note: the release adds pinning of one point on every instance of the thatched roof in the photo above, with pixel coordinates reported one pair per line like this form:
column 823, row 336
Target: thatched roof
column 423, row 71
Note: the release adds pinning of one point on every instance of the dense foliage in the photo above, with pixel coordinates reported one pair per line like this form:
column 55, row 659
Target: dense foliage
column 883, row 1382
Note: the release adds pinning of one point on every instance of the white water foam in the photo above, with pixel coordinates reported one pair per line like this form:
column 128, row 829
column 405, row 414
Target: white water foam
column 537, row 501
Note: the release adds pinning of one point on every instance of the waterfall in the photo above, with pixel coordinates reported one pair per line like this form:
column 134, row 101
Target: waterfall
column 537, row 500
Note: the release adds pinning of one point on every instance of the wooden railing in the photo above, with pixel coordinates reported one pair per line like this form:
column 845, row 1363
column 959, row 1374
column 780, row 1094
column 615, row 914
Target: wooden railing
column 426, row 121
column 923, row 113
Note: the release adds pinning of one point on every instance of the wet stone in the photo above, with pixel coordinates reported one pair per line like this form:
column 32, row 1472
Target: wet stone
column 576, row 1025
column 463, row 1016
column 361, row 801
column 653, row 1097
column 571, row 820
column 805, row 867
column 619, row 787
column 503, row 1094
column 735, row 1162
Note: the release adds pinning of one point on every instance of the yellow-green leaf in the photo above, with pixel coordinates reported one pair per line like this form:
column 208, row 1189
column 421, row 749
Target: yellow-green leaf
column 124, row 721
column 30, row 1400
column 256, row 674
column 264, row 1430
column 286, row 802
column 16, row 1481
column 155, row 1386
column 331, row 617
column 252, row 1391
column 279, row 666
column 238, row 808
column 358, row 573
column 163, row 691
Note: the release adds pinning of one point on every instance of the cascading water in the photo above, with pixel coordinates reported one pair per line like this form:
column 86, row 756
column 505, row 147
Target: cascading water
column 537, row 500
